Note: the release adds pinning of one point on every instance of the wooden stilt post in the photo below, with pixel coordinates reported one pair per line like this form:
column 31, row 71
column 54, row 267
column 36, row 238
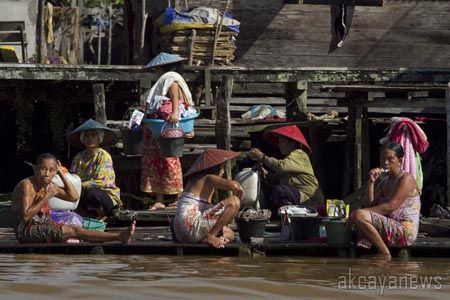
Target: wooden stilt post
column 208, row 94
column 191, row 46
column 145, row 85
column 365, row 144
column 357, row 161
column 447, row 105
column 296, row 100
column 349, row 154
column 361, row 158
column 316, row 142
column 99, row 103
column 223, row 121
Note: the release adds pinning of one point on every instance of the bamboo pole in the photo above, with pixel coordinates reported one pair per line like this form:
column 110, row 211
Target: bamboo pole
column 111, row 17
column 142, row 36
column 218, row 30
column 40, row 32
column 99, row 42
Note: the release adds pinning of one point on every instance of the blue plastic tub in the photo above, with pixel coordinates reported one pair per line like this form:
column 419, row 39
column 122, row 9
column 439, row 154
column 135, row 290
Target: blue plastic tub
column 156, row 125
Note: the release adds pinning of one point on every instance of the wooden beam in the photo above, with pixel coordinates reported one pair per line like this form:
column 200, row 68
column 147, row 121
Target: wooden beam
column 346, row 2
column 447, row 94
column 380, row 88
column 99, row 103
column 395, row 102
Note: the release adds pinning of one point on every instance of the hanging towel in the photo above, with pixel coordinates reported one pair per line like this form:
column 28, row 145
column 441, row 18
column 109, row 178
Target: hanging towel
column 418, row 137
column 159, row 91
column 414, row 142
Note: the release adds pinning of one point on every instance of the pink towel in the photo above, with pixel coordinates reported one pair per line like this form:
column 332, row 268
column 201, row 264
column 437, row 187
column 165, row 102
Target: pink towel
column 417, row 136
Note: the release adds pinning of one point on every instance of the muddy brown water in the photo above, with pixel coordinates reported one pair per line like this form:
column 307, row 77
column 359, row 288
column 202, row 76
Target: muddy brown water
column 193, row 277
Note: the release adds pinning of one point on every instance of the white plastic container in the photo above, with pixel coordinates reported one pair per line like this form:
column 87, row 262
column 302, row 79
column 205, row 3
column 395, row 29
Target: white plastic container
column 59, row 204
column 249, row 182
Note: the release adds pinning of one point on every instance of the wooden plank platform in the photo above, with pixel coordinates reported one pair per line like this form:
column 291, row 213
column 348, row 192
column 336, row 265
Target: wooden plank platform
column 157, row 241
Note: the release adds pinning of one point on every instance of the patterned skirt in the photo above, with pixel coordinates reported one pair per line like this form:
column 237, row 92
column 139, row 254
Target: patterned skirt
column 161, row 175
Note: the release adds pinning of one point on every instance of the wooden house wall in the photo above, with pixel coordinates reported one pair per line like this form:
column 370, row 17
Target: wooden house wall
column 399, row 34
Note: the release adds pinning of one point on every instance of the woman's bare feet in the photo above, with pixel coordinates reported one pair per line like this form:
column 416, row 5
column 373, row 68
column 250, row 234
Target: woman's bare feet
column 382, row 256
column 364, row 243
column 189, row 135
column 216, row 242
column 172, row 205
column 125, row 236
column 157, row 205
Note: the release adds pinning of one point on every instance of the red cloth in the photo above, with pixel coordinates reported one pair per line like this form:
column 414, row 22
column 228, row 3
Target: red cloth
column 418, row 139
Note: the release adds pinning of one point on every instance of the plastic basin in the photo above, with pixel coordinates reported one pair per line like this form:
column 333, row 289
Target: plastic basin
column 156, row 125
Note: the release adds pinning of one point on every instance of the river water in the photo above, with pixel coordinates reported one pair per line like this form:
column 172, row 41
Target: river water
column 193, row 277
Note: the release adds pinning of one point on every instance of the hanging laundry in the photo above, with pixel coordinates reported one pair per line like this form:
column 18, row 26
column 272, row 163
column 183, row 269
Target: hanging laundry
column 414, row 142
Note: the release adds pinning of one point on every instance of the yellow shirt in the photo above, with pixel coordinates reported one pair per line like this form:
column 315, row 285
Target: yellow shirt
column 97, row 172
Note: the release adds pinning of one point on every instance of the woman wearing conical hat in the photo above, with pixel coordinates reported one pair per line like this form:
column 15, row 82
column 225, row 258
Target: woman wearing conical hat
column 169, row 99
column 196, row 219
column 297, row 182
column 94, row 165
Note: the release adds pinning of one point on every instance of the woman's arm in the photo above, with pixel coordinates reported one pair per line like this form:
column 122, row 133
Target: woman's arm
column 174, row 93
column 26, row 197
column 372, row 193
column 68, row 192
column 225, row 184
column 403, row 190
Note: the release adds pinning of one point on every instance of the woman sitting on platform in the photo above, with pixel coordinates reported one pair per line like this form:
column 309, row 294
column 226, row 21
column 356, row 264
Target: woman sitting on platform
column 293, row 180
column 169, row 99
column 94, row 165
column 392, row 218
column 30, row 205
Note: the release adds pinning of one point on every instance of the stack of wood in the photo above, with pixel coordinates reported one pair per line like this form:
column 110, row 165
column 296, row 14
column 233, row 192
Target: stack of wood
column 198, row 45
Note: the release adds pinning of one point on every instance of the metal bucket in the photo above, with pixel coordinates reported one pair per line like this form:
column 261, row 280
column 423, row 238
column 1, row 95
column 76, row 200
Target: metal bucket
column 131, row 140
column 251, row 228
column 304, row 228
column 337, row 232
column 171, row 142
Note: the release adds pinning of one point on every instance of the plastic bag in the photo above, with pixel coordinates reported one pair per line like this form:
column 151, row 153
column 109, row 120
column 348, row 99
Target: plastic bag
column 66, row 218
column 337, row 208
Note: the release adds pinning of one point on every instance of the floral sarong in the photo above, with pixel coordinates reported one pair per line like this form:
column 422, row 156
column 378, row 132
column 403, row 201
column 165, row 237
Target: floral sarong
column 195, row 217
column 162, row 175
column 40, row 229
column 400, row 228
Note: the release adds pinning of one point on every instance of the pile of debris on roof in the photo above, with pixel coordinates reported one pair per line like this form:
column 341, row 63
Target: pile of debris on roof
column 199, row 35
